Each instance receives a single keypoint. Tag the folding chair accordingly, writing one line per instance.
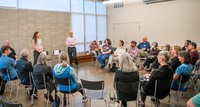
(5, 72)
(36, 77)
(6, 104)
(64, 82)
(127, 89)
(27, 90)
(182, 79)
(94, 90)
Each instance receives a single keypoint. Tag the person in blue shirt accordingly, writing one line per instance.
(144, 47)
(184, 69)
(9, 63)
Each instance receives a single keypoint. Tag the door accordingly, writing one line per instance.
(126, 32)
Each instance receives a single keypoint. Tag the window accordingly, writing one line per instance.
(101, 27)
(80, 47)
(52, 5)
(78, 27)
(101, 8)
(90, 28)
(8, 3)
(77, 6)
(89, 7)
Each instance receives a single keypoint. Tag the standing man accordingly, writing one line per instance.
(144, 47)
(12, 53)
(71, 44)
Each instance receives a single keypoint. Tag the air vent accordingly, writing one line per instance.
(118, 5)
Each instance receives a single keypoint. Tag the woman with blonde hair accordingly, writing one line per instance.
(127, 73)
(63, 70)
(175, 63)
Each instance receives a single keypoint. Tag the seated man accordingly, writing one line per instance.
(186, 44)
(119, 51)
(184, 69)
(133, 50)
(23, 68)
(144, 47)
(163, 74)
(193, 52)
(12, 53)
(9, 63)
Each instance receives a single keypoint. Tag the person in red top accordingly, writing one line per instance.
(193, 52)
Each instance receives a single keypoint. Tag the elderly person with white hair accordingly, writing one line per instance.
(162, 75)
(41, 68)
(23, 67)
(12, 53)
(127, 73)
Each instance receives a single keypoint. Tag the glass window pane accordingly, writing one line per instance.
(52, 5)
(101, 27)
(90, 7)
(90, 27)
(80, 47)
(101, 8)
(87, 46)
(78, 27)
(8, 3)
(77, 6)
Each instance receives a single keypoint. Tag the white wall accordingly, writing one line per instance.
(166, 22)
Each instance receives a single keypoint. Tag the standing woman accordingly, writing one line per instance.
(37, 45)
(71, 44)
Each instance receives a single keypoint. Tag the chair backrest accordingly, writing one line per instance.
(62, 81)
(38, 80)
(92, 85)
(184, 78)
(4, 71)
(127, 88)
(5, 104)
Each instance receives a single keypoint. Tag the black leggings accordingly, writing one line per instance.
(36, 55)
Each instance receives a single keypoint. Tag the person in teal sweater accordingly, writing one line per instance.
(194, 101)
(63, 70)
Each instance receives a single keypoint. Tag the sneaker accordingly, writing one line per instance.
(155, 100)
(102, 66)
(84, 99)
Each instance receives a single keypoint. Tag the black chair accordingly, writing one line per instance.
(5, 104)
(5, 71)
(64, 82)
(127, 89)
(95, 90)
(42, 84)
(27, 85)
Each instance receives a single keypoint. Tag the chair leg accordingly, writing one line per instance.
(11, 90)
(32, 96)
(105, 102)
(17, 93)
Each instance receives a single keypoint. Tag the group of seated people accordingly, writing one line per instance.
(22, 68)
(170, 63)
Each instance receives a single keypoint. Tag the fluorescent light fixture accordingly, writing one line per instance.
(112, 1)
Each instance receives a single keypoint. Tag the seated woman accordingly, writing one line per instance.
(41, 68)
(194, 101)
(105, 53)
(153, 55)
(175, 63)
(23, 67)
(94, 48)
(162, 74)
(184, 69)
(63, 70)
(127, 73)
(119, 51)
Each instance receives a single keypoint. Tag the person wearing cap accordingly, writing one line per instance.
(71, 44)
(186, 44)
(193, 52)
